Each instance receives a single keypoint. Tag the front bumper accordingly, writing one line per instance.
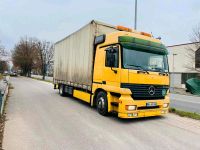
(142, 110)
(144, 113)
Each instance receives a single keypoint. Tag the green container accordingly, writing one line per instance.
(193, 86)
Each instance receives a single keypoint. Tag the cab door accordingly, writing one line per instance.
(112, 63)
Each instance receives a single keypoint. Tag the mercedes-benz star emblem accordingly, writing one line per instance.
(152, 90)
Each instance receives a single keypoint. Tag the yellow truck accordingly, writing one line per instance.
(114, 69)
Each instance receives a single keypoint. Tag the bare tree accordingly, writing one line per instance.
(45, 52)
(1, 46)
(2, 50)
(196, 36)
(3, 63)
(24, 55)
(32, 54)
(3, 66)
(193, 52)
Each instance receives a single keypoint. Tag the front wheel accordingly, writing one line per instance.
(102, 103)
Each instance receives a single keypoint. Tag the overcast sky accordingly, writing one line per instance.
(52, 20)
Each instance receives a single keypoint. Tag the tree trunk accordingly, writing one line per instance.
(43, 71)
(43, 77)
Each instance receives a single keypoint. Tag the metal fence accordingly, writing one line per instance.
(3, 93)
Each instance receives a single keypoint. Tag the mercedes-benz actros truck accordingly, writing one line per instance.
(114, 69)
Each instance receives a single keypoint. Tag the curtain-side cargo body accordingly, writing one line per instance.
(73, 58)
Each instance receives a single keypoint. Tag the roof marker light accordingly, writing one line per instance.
(122, 28)
(146, 34)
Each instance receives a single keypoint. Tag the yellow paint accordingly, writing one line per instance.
(151, 78)
(82, 95)
(127, 100)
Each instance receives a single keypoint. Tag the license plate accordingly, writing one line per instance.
(151, 104)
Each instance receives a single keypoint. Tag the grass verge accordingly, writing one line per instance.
(185, 114)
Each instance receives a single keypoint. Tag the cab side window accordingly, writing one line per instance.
(110, 55)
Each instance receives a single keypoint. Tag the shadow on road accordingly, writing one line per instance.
(135, 120)
(113, 116)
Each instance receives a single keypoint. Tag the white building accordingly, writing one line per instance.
(183, 63)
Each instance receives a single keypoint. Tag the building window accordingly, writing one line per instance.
(197, 58)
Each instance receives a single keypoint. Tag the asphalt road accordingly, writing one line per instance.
(186, 103)
(39, 119)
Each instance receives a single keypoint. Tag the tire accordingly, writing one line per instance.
(102, 103)
(61, 90)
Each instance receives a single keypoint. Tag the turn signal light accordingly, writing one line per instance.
(165, 105)
(122, 28)
(146, 34)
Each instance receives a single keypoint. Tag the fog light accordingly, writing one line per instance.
(165, 105)
(131, 107)
(163, 112)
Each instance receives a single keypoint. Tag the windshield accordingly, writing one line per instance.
(140, 60)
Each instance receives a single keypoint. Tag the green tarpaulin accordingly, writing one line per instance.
(193, 86)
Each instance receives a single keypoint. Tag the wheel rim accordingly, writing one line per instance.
(101, 103)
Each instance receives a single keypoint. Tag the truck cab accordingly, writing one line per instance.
(130, 75)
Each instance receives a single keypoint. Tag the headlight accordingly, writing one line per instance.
(131, 107)
(165, 105)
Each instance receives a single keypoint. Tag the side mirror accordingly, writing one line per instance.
(111, 57)
(112, 60)
(112, 50)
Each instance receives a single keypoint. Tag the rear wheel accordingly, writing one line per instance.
(102, 103)
(62, 90)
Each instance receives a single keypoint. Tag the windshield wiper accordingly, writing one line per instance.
(140, 68)
(161, 71)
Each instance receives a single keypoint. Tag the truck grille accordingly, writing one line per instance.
(146, 91)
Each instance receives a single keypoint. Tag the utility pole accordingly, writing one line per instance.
(173, 74)
(135, 15)
(174, 62)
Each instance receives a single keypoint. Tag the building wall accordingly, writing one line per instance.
(175, 80)
(181, 60)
